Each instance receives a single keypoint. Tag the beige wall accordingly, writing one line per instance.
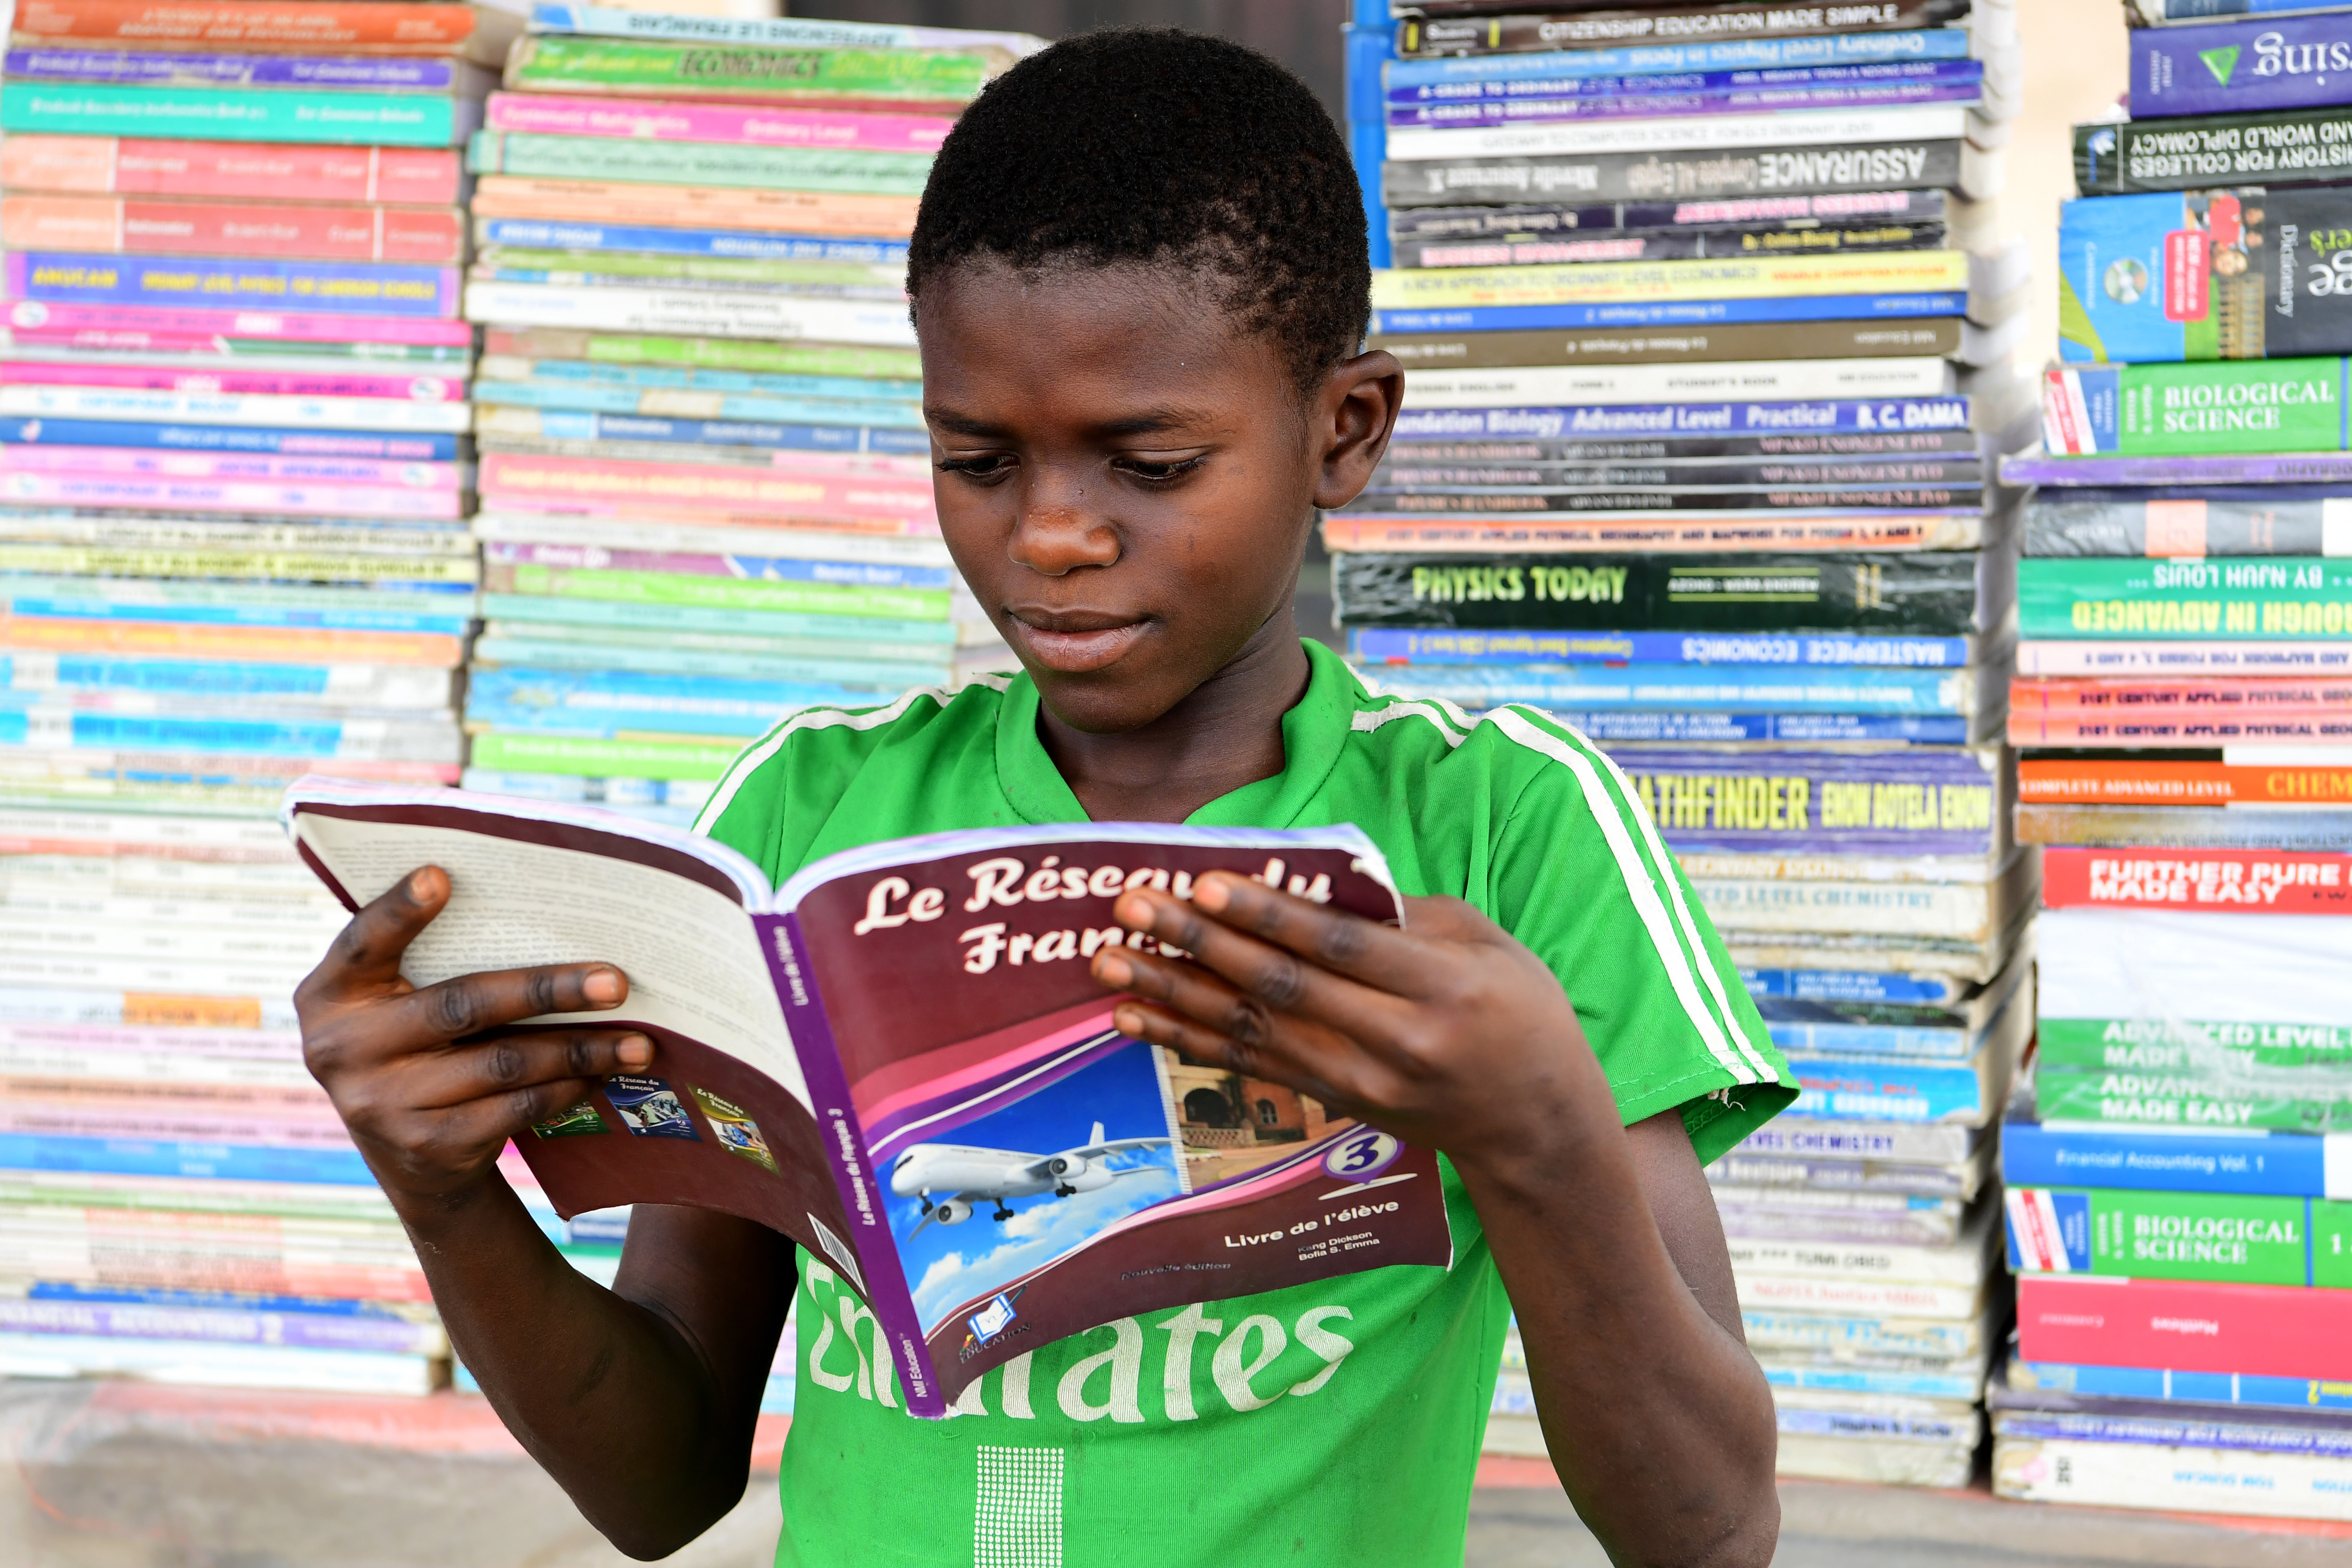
(2074, 69)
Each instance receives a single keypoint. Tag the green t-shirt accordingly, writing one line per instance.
(1331, 1422)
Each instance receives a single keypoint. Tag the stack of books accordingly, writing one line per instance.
(2178, 1176)
(233, 550)
(1707, 344)
(706, 488)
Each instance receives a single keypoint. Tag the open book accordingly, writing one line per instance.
(900, 1059)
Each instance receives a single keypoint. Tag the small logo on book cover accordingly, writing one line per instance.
(996, 1317)
(2220, 62)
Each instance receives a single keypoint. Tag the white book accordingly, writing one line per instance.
(217, 1365)
(235, 409)
(733, 539)
(2192, 1480)
(1780, 381)
(1675, 134)
(718, 313)
(1805, 1291)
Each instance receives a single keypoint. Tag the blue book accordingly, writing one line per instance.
(1636, 420)
(539, 234)
(1686, 313)
(1683, 687)
(1844, 1088)
(209, 282)
(591, 373)
(2185, 1387)
(2252, 1164)
(1806, 729)
(44, 1309)
(286, 737)
(1649, 60)
(1397, 645)
(1962, 1385)
(428, 617)
(562, 424)
(140, 67)
(155, 1157)
(1684, 92)
(1837, 1038)
(205, 676)
(625, 400)
(2240, 67)
(1854, 986)
(227, 438)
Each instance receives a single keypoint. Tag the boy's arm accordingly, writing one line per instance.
(641, 1400)
(1453, 1036)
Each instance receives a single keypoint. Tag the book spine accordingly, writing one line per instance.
(328, 413)
(2292, 146)
(731, 244)
(222, 1325)
(1924, 1144)
(1743, 278)
(603, 484)
(655, 401)
(361, 288)
(1792, 729)
(1711, 92)
(1801, 128)
(2146, 660)
(131, 436)
(1696, 313)
(351, 73)
(1675, 688)
(1845, 1088)
(922, 80)
(59, 458)
(1761, 215)
(2084, 1470)
(2155, 732)
(264, 28)
(1961, 1388)
(2157, 410)
(237, 382)
(2281, 883)
(1960, 911)
(427, 237)
(2186, 1044)
(2188, 1100)
(2289, 521)
(2291, 598)
(1408, 473)
(1432, 32)
(108, 323)
(820, 213)
(1668, 420)
(705, 353)
(789, 168)
(2264, 1330)
(1934, 594)
(2139, 1234)
(60, 637)
(596, 758)
(1386, 646)
(1769, 170)
(1936, 1042)
(1776, 380)
(232, 114)
(170, 1157)
(2120, 472)
(709, 314)
(560, 424)
(358, 684)
(846, 572)
(1764, 340)
(819, 129)
(881, 1280)
(1742, 54)
(2179, 699)
(2192, 1388)
(131, 166)
(717, 592)
(2241, 67)
(1875, 1336)
(69, 490)
(1686, 528)
(1761, 1292)
(1679, 451)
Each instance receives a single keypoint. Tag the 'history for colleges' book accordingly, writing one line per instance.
(900, 1059)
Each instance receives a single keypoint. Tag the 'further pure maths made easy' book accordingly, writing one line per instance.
(900, 1059)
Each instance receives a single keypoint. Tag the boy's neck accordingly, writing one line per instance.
(1227, 733)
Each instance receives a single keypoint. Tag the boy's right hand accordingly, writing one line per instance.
(428, 1086)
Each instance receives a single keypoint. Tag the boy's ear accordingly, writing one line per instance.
(1355, 416)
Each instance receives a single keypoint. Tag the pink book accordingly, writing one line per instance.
(831, 129)
(140, 462)
(603, 487)
(144, 226)
(237, 382)
(138, 166)
(370, 501)
(112, 322)
(2267, 1330)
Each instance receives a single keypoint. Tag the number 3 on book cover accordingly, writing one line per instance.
(900, 1059)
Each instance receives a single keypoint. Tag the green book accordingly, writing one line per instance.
(2202, 1102)
(2273, 597)
(852, 280)
(709, 354)
(2202, 409)
(936, 80)
(696, 164)
(539, 609)
(2176, 1047)
(2226, 1238)
(232, 114)
(720, 593)
(582, 757)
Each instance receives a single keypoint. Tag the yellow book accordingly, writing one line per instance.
(1635, 282)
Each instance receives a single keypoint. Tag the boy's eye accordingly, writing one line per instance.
(1150, 470)
(987, 466)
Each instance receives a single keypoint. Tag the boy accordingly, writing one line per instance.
(1140, 281)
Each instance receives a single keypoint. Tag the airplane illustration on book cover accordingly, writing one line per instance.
(970, 1176)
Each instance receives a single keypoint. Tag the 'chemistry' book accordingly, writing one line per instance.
(900, 1059)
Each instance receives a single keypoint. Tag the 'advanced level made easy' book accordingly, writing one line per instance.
(900, 1059)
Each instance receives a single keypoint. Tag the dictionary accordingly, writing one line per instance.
(770, 1026)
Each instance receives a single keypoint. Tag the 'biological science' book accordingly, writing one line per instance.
(900, 1059)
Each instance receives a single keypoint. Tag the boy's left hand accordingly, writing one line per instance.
(1448, 1033)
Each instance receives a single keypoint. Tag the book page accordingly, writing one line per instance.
(690, 952)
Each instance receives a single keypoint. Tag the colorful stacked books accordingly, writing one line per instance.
(1706, 349)
(705, 482)
(232, 493)
(2177, 1177)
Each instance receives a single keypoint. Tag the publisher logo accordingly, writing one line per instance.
(2220, 62)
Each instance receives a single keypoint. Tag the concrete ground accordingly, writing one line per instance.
(118, 1476)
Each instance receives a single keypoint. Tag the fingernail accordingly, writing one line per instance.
(636, 1051)
(419, 881)
(1113, 969)
(603, 987)
(1133, 908)
(1211, 894)
(1127, 1021)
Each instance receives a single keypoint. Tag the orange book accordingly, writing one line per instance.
(272, 27)
(2070, 781)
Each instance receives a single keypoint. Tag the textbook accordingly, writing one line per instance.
(2219, 409)
(138, 166)
(1427, 28)
(272, 27)
(1827, 166)
(795, 1064)
(2233, 68)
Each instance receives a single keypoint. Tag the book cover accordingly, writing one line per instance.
(1775, 276)
(800, 1083)
(353, 287)
(1491, 72)
(2196, 1326)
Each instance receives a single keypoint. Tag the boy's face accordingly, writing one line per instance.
(1127, 479)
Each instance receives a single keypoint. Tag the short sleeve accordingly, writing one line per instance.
(1581, 875)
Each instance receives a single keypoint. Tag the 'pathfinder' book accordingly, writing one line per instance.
(900, 1059)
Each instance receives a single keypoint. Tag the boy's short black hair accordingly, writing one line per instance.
(1151, 145)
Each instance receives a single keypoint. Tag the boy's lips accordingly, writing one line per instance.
(1079, 644)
